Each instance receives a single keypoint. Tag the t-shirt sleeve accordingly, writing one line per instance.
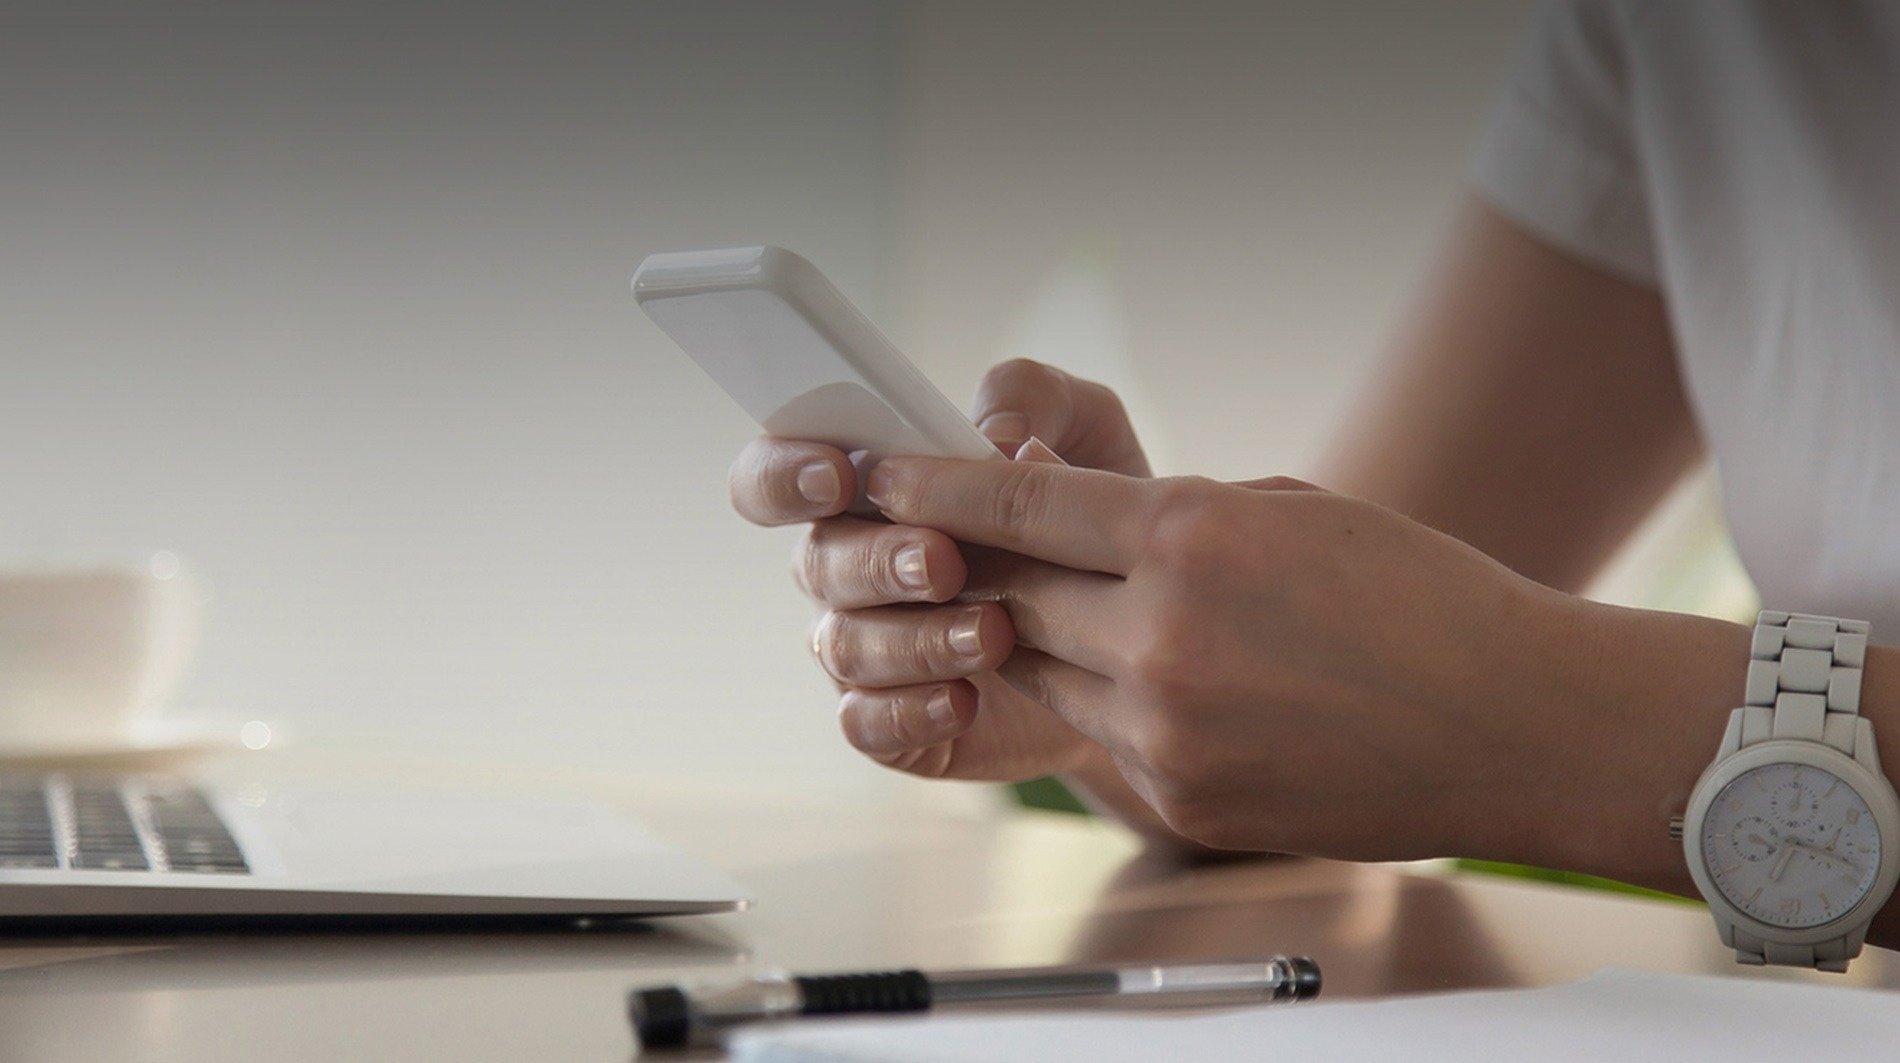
(1558, 153)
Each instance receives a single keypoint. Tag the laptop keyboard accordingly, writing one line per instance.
(101, 823)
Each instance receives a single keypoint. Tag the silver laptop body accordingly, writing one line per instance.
(78, 846)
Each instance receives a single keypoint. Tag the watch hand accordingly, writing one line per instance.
(1837, 837)
(1822, 853)
(1787, 854)
(1835, 858)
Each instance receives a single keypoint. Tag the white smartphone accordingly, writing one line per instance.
(773, 331)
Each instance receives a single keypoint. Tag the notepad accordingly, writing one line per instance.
(1614, 1015)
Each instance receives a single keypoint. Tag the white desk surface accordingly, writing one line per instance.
(838, 888)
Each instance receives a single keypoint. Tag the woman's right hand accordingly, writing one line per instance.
(908, 634)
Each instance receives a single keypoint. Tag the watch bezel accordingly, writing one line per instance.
(1873, 788)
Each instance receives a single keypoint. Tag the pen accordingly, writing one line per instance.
(676, 1016)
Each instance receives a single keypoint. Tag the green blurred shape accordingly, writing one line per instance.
(1568, 878)
(1049, 794)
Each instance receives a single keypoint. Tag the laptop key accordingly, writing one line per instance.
(104, 824)
(27, 861)
(214, 869)
(112, 861)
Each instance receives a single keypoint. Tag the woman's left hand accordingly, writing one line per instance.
(1272, 666)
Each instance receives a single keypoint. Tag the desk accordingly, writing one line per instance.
(837, 887)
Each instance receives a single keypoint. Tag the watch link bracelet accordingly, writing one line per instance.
(1793, 833)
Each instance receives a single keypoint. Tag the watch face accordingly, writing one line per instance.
(1791, 845)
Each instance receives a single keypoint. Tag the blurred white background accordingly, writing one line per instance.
(331, 300)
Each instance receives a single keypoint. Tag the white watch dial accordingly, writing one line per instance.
(1791, 845)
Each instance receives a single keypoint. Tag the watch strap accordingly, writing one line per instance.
(1831, 955)
(1804, 680)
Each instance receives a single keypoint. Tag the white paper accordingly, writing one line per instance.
(1614, 1015)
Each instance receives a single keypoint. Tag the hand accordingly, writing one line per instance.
(913, 666)
(1272, 666)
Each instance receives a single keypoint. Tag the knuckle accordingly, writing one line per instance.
(1167, 663)
(779, 491)
(1192, 526)
(900, 723)
(927, 653)
(1031, 683)
(1022, 374)
(1108, 405)
(877, 567)
(1021, 501)
(886, 728)
(765, 491)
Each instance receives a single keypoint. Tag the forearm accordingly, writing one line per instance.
(1531, 407)
(1634, 704)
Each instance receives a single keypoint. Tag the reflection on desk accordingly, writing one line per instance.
(838, 888)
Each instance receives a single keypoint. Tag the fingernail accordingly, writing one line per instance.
(966, 635)
(939, 709)
(818, 482)
(913, 568)
(1035, 450)
(1006, 430)
(878, 486)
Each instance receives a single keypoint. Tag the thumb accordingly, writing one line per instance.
(1035, 450)
(1079, 419)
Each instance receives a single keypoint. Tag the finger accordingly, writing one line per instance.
(901, 645)
(1079, 419)
(1081, 518)
(849, 563)
(999, 734)
(782, 481)
(1060, 611)
(890, 724)
(1085, 699)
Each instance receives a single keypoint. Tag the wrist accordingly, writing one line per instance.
(1631, 706)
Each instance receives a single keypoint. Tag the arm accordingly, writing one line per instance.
(1273, 666)
(1461, 432)
(1532, 408)
(1535, 410)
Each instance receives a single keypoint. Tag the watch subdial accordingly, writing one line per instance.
(1754, 839)
(1794, 804)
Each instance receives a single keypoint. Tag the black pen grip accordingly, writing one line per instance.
(833, 994)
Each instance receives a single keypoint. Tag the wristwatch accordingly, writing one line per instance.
(1793, 834)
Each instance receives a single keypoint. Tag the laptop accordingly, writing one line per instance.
(136, 846)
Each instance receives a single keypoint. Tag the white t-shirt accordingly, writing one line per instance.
(1744, 159)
